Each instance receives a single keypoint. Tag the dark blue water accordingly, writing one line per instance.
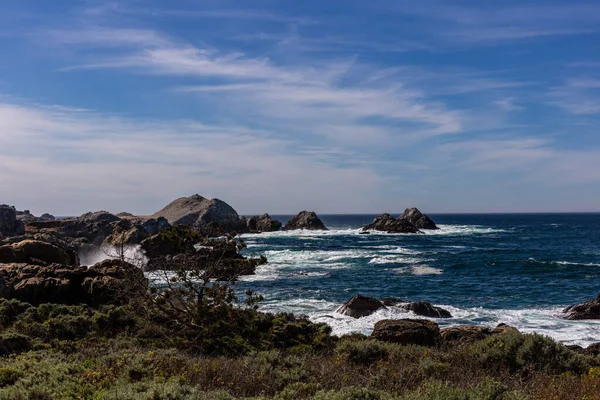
(515, 268)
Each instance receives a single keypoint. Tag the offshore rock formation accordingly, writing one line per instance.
(263, 223)
(108, 282)
(305, 220)
(212, 217)
(389, 224)
(360, 306)
(9, 224)
(410, 222)
(588, 310)
(426, 309)
(418, 219)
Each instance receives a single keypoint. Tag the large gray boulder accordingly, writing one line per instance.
(207, 216)
(389, 224)
(305, 220)
(9, 224)
(426, 309)
(418, 219)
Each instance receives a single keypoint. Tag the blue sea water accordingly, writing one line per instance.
(519, 269)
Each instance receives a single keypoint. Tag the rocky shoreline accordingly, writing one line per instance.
(39, 258)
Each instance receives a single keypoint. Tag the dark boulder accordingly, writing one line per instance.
(588, 310)
(305, 220)
(37, 252)
(426, 309)
(360, 306)
(593, 349)
(467, 334)
(407, 331)
(9, 224)
(418, 219)
(152, 226)
(389, 224)
(109, 282)
(211, 217)
(263, 223)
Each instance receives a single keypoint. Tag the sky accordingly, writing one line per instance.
(280, 106)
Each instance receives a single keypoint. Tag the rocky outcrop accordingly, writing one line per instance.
(407, 331)
(27, 217)
(212, 217)
(94, 227)
(426, 309)
(9, 224)
(467, 334)
(37, 252)
(418, 219)
(389, 224)
(108, 282)
(305, 220)
(588, 310)
(170, 242)
(263, 223)
(360, 306)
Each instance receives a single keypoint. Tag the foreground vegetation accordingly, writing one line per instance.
(193, 339)
(76, 352)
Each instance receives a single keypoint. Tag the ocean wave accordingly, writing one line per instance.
(543, 321)
(576, 263)
(385, 259)
(418, 270)
(462, 230)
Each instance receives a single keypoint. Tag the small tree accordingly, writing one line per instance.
(199, 286)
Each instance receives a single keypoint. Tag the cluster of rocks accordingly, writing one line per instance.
(411, 221)
(9, 224)
(361, 306)
(427, 333)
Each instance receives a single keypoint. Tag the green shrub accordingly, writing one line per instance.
(8, 376)
(14, 343)
(363, 352)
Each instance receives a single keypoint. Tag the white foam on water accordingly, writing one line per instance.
(461, 230)
(130, 253)
(544, 321)
(418, 270)
(398, 260)
(575, 263)
(403, 250)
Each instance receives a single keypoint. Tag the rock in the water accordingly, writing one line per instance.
(213, 217)
(467, 334)
(263, 223)
(360, 306)
(305, 220)
(588, 310)
(37, 252)
(426, 309)
(109, 282)
(407, 331)
(9, 224)
(418, 219)
(389, 224)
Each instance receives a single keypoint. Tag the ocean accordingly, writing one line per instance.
(518, 269)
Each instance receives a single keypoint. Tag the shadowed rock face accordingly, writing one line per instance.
(263, 223)
(407, 331)
(360, 306)
(426, 309)
(389, 224)
(305, 220)
(9, 224)
(588, 310)
(37, 252)
(203, 215)
(418, 219)
(467, 334)
(108, 282)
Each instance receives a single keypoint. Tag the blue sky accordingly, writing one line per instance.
(279, 106)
